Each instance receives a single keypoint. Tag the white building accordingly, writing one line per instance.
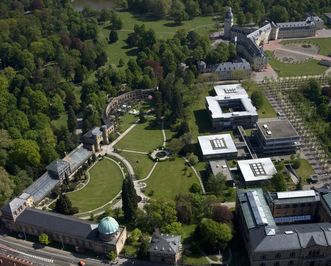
(231, 107)
(234, 70)
(257, 170)
(217, 146)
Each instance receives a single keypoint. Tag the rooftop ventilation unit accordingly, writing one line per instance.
(289, 232)
(269, 132)
(265, 126)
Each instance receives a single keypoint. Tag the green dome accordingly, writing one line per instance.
(108, 226)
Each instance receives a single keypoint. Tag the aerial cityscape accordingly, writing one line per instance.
(165, 132)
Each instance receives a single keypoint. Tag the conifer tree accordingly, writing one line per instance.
(129, 199)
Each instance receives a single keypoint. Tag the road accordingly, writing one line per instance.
(48, 256)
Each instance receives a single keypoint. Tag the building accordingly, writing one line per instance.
(249, 40)
(59, 169)
(256, 170)
(11, 260)
(94, 138)
(83, 235)
(231, 107)
(270, 241)
(234, 70)
(217, 146)
(276, 137)
(218, 167)
(165, 249)
(293, 206)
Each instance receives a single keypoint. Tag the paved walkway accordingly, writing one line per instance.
(132, 151)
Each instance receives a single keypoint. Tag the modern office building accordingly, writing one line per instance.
(270, 241)
(256, 170)
(276, 136)
(165, 248)
(231, 107)
(250, 40)
(217, 146)
(220, 167)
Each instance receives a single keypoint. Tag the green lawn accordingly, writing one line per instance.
(305, 170)
(141, 163)
(126, 121)
(311, 67)
(164, 29)
(60, 122)
(105, 183)
(322, 43)
(144, 137)
(170, 179)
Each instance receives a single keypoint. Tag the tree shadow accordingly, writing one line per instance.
(172, 24)
(132, 52)
(146, 18)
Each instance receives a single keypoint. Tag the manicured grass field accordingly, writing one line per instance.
(60, 122)
(126, 121)
(311, 67)
(141, 163)
(144, 137)
(322, 43)
(170, 179)
(105, 183)
(305, 170)
(164, 29)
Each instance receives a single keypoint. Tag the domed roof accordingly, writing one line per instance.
(229, 14)
(108, 226)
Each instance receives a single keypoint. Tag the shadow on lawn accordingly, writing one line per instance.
(202, 121)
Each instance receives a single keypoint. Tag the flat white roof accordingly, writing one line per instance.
(230, 90)
(257, 169)
(216, 109)
(217, 144)
(296, 194)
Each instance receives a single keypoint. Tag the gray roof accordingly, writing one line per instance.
(77, 157)
(42, 186)
(278, 128)
(220, 167)
(163, 243)
(55, 222)
(233, 66)
(96, 131)
(291, 237)
(294, 197)
(15, 203)
(327, 200)
(249, 210)
(57, 166)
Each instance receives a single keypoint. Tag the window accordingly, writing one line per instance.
(276, 263)
(262, 264)
(278, 255)
(291, 262)
(292, 254)
(263, 257)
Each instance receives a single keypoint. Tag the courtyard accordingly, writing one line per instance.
(105, 182)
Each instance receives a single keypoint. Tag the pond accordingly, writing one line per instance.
(95, 4)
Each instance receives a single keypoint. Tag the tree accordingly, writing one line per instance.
(111, 255)
(193, 159)
(43, 239)
(278, 14)
(240, 18)
(177, 12)
(129, 200)
(212, 235)
(72, 120)
(278, 182)
(113, 37)
(63, 205)
(195, 188)
(143, 248)
(216, 184)
(6, 186)
(116, 22)
(222, 214)
(25, 153)
(135, 235)
(257, 98)
(175, 228)
(296, 163)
